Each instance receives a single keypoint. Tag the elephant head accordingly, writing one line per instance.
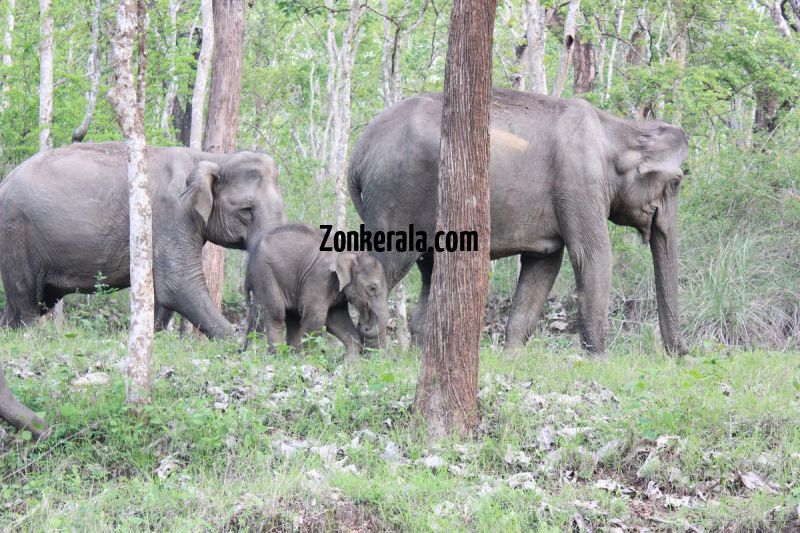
(236, 196)
(363, 281)
(649, 174)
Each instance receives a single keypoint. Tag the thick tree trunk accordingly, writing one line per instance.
(570, 29)
(583, 65)
(201, 76)
(536, 22)
(222, 121)
(93, 72)
(45, 76)
(447, 393)
(131, 18)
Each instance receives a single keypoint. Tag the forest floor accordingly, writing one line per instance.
(628, 442)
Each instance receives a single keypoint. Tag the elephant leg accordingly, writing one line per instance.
(24, 293)
(419, 318)
(162, 316)
(341, 326)
(293, 330)
(16, 414)
(311, 320)
(181, 286)
(536, 278)
(273, 326)
(590, 255)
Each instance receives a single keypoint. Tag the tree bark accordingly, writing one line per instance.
(447, 392)
(583, 65)
(131, 18)
(618, 30)
(171, 49)
(45, 76)
(570, 29)
(341, 59)
(536, 22)
(776, 12)
(93, 72)
(390, 87)
(222, 121)
(201, 76)
(8, 36)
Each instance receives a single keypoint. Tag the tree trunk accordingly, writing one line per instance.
(447, 393)
(131, 17)
(222, 121)
(536, 22)
(390, 87)
(682, 49)
(341, 59)
(617, 32)
(570, 28)
(45, 76)
(201, 76)
(776, 12)
(583, 65)
(171, 49)
(213, 256)
(8, 36)
(93, 72)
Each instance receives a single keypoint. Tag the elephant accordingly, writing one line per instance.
(290, 281)
(17, 414)
(559, 168)
(64, 225)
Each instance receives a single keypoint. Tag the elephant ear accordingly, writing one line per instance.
(199, 188)
(343, 266)
(663, 150)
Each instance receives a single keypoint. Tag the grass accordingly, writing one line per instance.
(256, 442)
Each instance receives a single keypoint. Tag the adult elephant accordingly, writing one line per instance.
(64, 225)
(559, 169)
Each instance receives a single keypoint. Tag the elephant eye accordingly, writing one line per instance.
(372, 289)
(246, 212)
(673, 186)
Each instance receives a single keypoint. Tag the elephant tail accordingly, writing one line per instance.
(354, 174)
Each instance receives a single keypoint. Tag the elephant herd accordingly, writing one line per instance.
(559, 169)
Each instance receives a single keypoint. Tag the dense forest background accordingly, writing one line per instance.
(316, 72)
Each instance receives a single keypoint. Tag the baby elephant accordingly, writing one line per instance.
(290, 281)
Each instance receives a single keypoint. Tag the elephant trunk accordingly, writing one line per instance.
(17, 414)
(664, 247)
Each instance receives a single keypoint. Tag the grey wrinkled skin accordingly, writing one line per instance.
(559, 170)
(64, 222)
(291, 283)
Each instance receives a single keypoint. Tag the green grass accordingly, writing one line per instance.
(304, 443)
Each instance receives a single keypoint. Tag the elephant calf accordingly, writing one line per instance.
(291, 282)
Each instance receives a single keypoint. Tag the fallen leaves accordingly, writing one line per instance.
(754, 481)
